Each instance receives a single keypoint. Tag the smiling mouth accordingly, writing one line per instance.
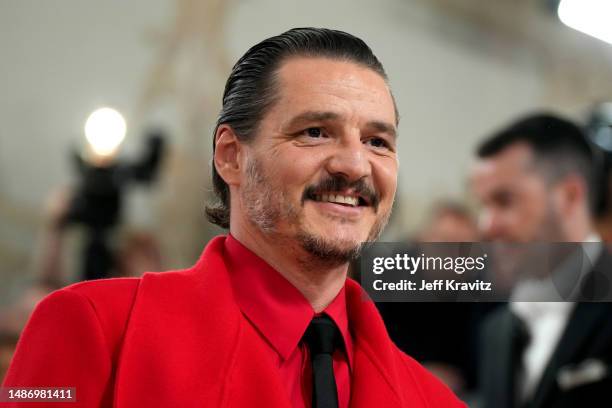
(341, 199)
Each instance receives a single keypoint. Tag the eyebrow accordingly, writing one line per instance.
(313, 116)
(383, 127)
(325, 116)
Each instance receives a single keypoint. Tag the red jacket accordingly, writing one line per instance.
(178, 339)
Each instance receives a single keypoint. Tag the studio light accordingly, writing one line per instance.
(105, 130)
(103, 178)
(592, 17)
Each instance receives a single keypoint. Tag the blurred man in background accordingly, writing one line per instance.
(423, 330)
(449, 221)
(534, 180)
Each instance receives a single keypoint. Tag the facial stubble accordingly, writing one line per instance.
(267, 206)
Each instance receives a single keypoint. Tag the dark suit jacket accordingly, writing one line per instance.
(584, 346)
(178, 339)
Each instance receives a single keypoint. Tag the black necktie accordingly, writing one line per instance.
(520, 340)
(322, 336)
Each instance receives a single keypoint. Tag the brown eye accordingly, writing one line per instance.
(378, 142)
(314, 132)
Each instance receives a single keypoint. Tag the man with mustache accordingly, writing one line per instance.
(305, 168)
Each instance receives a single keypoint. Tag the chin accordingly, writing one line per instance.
(341, 234)
(329, 250)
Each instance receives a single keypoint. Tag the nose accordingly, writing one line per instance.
(350, 159)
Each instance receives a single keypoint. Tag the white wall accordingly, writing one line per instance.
(59, 61)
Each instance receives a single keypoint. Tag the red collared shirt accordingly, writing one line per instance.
(280, 314)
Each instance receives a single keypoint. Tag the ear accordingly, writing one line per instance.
(574, 194)
(228, 151)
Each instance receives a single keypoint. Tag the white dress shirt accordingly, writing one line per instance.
(545, 321)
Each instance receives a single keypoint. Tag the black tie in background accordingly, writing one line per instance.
(520, 340)
(503, 343)
(322, 336)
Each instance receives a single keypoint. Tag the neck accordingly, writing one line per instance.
(578, 227)
(317, 280)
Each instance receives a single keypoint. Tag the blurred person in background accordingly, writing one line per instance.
(604, 217)
(535, 182)
(137, 251)
(449, 221)
(305, 167)
(440, 335)
(603, 221)
(599, 130)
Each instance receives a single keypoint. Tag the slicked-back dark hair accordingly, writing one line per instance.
(560, 146)
(251, 88)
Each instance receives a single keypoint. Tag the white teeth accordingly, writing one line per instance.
(353, 201)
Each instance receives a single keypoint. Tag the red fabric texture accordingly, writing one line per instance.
(280, 313)
(179, 339)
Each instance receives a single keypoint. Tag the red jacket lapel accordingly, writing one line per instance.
(187, 326)
(383, 376)
(374, 375)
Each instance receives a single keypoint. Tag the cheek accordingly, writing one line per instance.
(293, 171)
(385, 177)
(533, 210)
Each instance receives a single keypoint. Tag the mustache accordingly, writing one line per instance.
(338, 183)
